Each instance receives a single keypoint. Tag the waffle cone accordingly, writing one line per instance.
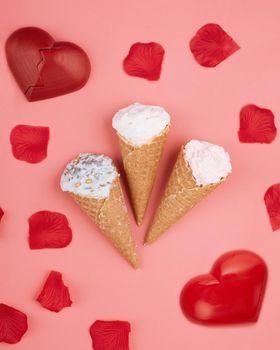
(181, 195)
(140, 165)
(110, 215)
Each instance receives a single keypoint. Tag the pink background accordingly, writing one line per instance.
(204, 103)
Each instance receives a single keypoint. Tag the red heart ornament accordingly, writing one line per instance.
(44, 68)
(231, 293)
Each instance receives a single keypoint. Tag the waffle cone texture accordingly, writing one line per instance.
(110, 215)
(181, 195)
(140, 165)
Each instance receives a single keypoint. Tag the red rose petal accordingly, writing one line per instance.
(49, 230)
(272, 202)
(55, 295)
(1, 214)
(13, 324)
(211, 45)
(256, 125)
(30, 143)
(144, 60)
(110, 335)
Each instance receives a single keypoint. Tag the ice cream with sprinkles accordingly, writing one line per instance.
(90, 175)
(93, 182)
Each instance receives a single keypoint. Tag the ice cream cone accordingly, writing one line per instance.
(140, 165)
(110, 215)
(182, 193)
(142, 131)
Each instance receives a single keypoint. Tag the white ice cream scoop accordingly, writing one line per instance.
(209, 163)
(139, 124)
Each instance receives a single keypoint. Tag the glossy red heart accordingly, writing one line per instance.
(44, 68)
(231, 293)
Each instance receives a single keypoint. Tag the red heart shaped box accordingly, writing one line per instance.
(231, 293)
(44, 68)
